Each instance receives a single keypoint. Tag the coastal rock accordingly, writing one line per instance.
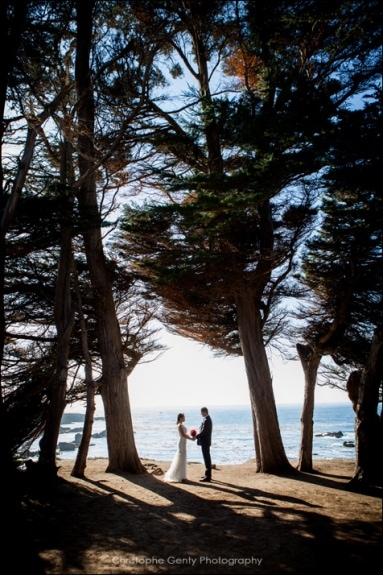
(76, 418)
(64, 446)
(72, 418)
(70, 430)
(348, 444)
(330, 434)
(98, 435)
(77, 439)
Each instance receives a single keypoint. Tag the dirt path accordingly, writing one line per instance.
(242, 522)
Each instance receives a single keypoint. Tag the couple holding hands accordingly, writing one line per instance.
(177, 471)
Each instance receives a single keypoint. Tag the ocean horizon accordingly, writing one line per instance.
(156, 435)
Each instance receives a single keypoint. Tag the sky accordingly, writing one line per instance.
(188, 374)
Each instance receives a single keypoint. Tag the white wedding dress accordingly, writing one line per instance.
(177, 470)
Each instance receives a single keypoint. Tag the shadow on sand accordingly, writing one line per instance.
(149, 526)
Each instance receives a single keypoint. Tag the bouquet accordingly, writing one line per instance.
(193, 432)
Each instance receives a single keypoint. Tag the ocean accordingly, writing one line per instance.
(156, 434)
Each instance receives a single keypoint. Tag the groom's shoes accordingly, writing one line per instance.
(206, 479)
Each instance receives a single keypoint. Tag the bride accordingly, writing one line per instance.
(177, 469)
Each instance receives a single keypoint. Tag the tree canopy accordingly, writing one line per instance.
(229, 122)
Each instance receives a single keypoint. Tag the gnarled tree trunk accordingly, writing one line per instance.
(310, 361)
(368, 424)
(271, 456)
(64, 320)
(119, 426)
(82, 454)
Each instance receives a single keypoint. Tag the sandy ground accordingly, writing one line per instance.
(241, 522)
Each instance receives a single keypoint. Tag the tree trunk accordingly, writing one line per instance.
(310, 361)
(352, 386)
(119, 427)
(368, 424)
(270, 451)
(64, 319)
(64, 316)
(256, 439)
(82, 454)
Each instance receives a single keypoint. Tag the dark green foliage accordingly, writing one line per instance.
(27, 394)
(343, 262)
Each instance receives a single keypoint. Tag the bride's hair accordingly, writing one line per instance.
(179, 416)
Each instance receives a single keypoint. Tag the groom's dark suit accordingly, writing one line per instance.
(204, 440)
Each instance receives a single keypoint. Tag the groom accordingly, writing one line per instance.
(204, 440)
